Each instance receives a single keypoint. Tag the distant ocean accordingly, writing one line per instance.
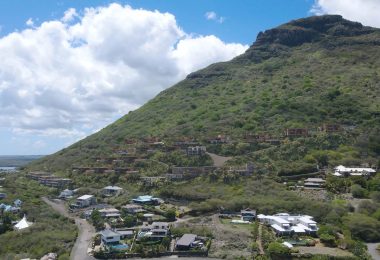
(8, 169)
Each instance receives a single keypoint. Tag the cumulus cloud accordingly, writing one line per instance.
(364, 11)
(69, 15)
(71, 76)
(214, 17)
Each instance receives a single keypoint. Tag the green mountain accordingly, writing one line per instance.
(302, 74)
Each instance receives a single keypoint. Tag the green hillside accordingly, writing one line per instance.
(302, 74)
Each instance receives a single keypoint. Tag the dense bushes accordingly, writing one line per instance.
(363, 227)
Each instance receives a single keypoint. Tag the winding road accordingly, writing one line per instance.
(85, 234)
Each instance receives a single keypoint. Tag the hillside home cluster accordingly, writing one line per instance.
(284, 224)
(342, 171)
(14, 208)
(47, 179)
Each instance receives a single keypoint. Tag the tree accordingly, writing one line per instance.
(375, 196)
(130, 221)
(97, 219)
(363, 227)
(7, 224)
(358, 192)
(328, 240)
(166, 242)
(278, 251)
(170, 215)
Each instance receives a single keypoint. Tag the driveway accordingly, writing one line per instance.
(85, 231)
(218, 160)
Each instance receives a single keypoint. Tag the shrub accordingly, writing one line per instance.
(328, 240)
(278, 251)
(357, 191)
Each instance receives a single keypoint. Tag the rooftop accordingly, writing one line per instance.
(85, 197)
(186, 240)
(112, 188)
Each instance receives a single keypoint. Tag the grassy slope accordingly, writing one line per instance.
(50, 231)
(272, 86)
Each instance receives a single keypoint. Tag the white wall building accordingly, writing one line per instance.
(353, 171)
(285, 224)
(85, 201)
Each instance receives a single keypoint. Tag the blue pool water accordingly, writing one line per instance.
(120, 247)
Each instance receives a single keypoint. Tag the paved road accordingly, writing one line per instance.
(373, 251)
(218, 160)
(85, 234)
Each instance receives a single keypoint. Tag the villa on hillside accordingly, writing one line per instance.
(110, 191)
(147, 200)
(110, 213)
(342, 171)
(284, 224)
(186, 242)
(196, 150)
(156, 231)
(296, 132)
(248, 215)
(85, 201)
(314, 183)
(66, 194)
(113, 236)
(133, 208)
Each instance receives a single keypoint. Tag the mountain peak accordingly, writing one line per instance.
(311, 29)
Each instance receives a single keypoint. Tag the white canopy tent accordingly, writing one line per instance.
(22, 224)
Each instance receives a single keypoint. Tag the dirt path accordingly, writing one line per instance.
(219, 160)
(261, 249)
(85, 234)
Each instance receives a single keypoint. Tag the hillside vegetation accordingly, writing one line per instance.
(301, 74)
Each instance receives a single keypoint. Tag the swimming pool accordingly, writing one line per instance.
(120, 247)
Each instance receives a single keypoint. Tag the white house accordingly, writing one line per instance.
(113, 237)
(353, 171)
(85, 201)
(111, 191)
(285, 224)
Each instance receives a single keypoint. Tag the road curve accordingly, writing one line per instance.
(85, 234)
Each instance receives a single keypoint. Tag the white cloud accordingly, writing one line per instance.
(68, 79)
(69, 15)
(214, 17)
(29, 22)
(364, 11)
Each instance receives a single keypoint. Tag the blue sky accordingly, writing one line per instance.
(67, 71)
(243, 18)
